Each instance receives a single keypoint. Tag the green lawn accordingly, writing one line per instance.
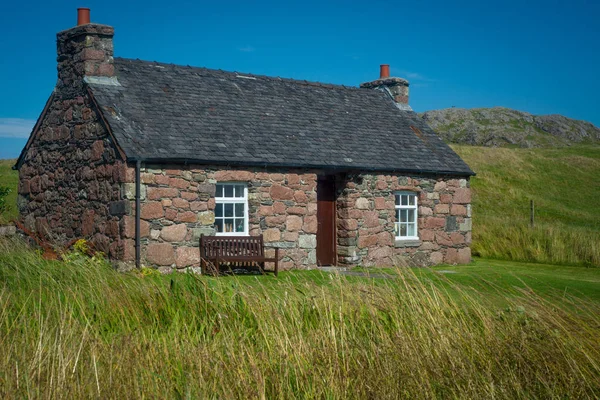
(496, 279)
(545, 279)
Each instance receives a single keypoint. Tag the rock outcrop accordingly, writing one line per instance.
(498, 126)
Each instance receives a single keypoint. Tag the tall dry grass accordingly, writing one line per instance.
(80, 330)
(502, 238)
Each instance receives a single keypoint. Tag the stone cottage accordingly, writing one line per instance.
(142, 158)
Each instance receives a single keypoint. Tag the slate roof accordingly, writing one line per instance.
(170, 113)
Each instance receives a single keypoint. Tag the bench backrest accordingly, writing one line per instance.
(223, 246)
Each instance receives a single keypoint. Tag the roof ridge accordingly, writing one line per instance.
(247, 74)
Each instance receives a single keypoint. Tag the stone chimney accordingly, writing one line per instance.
(84, 51)
(397, 88)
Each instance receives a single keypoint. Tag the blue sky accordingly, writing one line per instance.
(537, 56)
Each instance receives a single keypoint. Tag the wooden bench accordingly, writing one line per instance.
(235, 252)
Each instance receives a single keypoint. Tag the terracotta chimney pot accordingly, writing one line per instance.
(83, 16)
(384, 71)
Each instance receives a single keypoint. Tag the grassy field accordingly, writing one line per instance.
(564, 186)
(10, 179)
(81, 330)
(491, 329)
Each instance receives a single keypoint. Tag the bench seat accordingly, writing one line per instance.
(235, 252)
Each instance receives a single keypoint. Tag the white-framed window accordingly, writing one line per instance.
(406, 216)
(231, 209)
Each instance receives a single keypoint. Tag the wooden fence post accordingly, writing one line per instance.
(531, 213)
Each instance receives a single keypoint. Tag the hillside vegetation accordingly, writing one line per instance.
(504, 127)
(82, 330)
(564, 184)
(10, 179)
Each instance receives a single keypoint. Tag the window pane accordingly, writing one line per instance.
(239, 210)
(228, 210)
(219, 192)
(228, 190)
(403, 230)
(404, 200)
(396, 229)
(411, 199)
(219, 225)
(239, 190)
(239, 225)
(228, 225)
(397, 215)
(403, 216)
(397, 199)
(218, 210)
(411, 216)
(411, 230)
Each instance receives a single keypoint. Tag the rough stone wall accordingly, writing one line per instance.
(366, 216)
(178, 205)
(69, 180)
(85, 50)
(70, 177)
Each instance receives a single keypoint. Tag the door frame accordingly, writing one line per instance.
(330, 181)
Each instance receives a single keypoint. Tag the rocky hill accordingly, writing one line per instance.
(498, 126)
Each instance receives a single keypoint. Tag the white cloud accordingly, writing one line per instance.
(16, 127)
(246, 49)
(414, 75)
(411, 76)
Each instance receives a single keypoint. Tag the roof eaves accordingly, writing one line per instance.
(332, 166)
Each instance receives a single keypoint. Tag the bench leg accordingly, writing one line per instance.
(261, 267)
(209, 267)
(276, 261)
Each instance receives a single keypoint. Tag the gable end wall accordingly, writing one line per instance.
(70, 177)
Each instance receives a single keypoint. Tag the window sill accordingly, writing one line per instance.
(407, 243)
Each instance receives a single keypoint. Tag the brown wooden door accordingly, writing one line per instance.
(326, 237)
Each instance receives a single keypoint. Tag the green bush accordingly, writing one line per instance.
(81, 255)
